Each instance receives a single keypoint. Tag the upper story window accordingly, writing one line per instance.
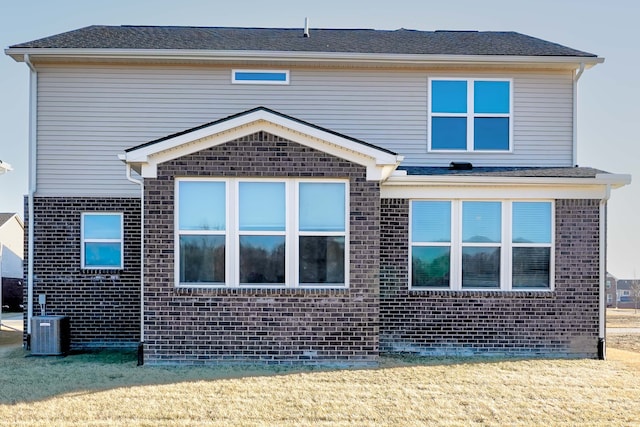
(262, 233)
(470, 114)
(474, 245)
(260, 77)
(102, 242)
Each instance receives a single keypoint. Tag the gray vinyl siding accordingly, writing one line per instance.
(89, 114)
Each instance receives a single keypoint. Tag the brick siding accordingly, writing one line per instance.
(562, 322)
(103, 305)
(275, 325)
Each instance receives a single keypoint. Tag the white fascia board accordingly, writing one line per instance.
(615, 180)
(380, 164)
(231, 55)
(484, 187)
(494, 192)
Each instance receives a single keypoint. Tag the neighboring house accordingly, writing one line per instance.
(611, 287)
(628, 294)
(5, 167)
(280, 195)
(11, 254)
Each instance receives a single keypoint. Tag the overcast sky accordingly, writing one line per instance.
(608, 107)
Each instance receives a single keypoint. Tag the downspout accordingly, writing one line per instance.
(576, 77)
(141, 343)
(602, 348)
(33, 121)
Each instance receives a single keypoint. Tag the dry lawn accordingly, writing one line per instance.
(623, 318)
(108, 389)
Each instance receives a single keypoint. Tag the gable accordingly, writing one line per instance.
(145, 158)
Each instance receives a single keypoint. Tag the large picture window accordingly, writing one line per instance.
(462, 245)
(470, 115)
(262, 232)
(102, 242)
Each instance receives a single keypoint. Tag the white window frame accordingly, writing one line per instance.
(506, 247)
(233, 233)
(470, 114)
(234, 79)
(83, 240)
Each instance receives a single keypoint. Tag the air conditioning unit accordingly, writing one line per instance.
(49, 335)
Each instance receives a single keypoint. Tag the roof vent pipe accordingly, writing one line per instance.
(306, 27)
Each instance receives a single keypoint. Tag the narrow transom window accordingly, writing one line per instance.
(102, 242)
(266, 77)
(470, 115)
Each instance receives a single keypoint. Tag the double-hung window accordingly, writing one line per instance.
(475, 245)
(261, 232)
(102, 240)
(470, 114)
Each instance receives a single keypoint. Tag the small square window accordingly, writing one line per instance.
(470, 115)
(102, 242)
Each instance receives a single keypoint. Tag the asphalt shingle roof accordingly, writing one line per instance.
(400, 41)
(4, 217)
(520, 172)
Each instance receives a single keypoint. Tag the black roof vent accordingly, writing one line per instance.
(460, 166)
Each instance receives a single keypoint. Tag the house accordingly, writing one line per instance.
(4, 167)
(627, 294)
(611, 286)
(313, 195)
(11, 253)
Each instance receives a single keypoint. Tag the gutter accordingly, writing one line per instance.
(33, 122)
(602, 346)
(614, 180)
(141, 343)
(298, 56)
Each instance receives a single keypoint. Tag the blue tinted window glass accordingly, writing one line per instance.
(102, 226)
(430, 266)
(322, 206)
(431, 221)
(261, 76)
(102, 254)
(262, 206)
(491, 97)
(448, 96)
(201, 205)
(448, 133)
(481, 222)
(531, 222)
(491, 133)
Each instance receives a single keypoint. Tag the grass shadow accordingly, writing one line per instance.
(28, 379)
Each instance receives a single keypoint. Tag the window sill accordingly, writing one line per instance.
(489, 293)
(252, 291)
